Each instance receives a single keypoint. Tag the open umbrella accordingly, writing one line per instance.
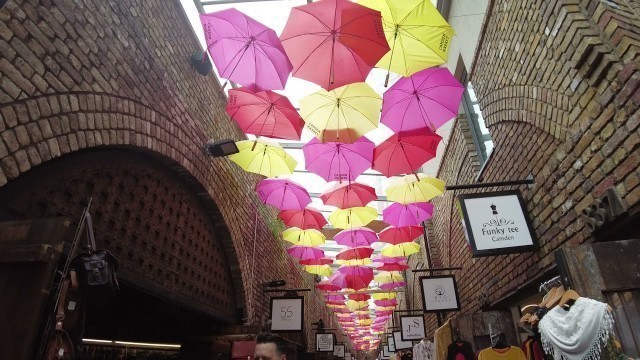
(353, 217)
(264, 113)
(323, 270)
(342, 115)
(396, 235)
(336, 299)
(304, 219)
(346, 195)
(388, 276)
(406, 152)
(386, 303)
(427, 99)
(354, 305)
(384, 295)
(361, 252)
(418, 35)
(399, 266)
(245, 51)
(305, 252)
(283, 194)
(388, 260)
(263, 157)
(408, 214)
(333, 42)
(414, 188)
(404, 249)
(360, 236)
(326, 285)
(393, 285)
(308, 237)
(352, 277)
(320, 261)
(354, 262)
(359, 297)
(338, 161)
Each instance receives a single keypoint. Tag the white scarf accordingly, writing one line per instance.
(579, 333)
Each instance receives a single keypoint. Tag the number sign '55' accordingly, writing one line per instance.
(287, 313)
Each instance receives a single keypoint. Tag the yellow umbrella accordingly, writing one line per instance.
(404, 249)
(353, 217)
(418, 35)
(307, 237)
(384, 296)
(324, 270)
(365, 322)
(354, 305)
(343, 114)
(385, 277)
(362, 312)
(336, 306)
(414, 188)
(354, 262)
(263, 157)
(385, 308)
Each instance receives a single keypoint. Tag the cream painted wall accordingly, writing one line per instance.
(465, 16)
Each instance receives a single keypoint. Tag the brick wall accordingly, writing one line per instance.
(80, 75)
(557, 83)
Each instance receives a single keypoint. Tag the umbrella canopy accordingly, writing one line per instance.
(414, 188)
(354, 305)
(388, 260)
(388, 276)
(342, 115)
(360, 236)
(361, 252)
(326, 285)
(393, 285)
(304, 219)
(263, 157)
(393, 266)
(264, 113)
(333, 42)
(346, 195)
(323, 270)
(354, 262)
(334, 299)
(418, 35)
(308, 237)
(338, 161)
(427, 99)
(404, 249)
(359, 297)
(352, 277)
(386, 303)
(406, 152)
(353, 217)
(407, 215)
(305, 252)
(385, 295)
(396, 235)
(283, 194)
(320, 261)
(245, 51)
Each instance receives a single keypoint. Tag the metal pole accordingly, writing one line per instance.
(438, 269)
(491, 184)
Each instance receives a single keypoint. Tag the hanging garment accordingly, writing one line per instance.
(460, 350)
(532, 348)
(442, 338)
(578, 333)
(424, 350)
(511, 353)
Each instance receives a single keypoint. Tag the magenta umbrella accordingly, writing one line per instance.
(264, 113)
(400, 215)
(348, 195)
(305, 252)
(352, 277)
(388, 259)
(387, 302)
(338, 161)
(283, 194)
(393, 285)
(428, 98)
(358, 236)
(245, 51)
(334, 299)
(405, 152)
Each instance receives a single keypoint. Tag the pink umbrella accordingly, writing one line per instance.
(428, 98)
(321, 261)
(359, 236)
(264, 113)
(352, 277)
(338, 161)
(407, 215)
(325, 285)
(346, 195)
(387, 302)
(357, 253)
(397, 235)
(405, 152)
(245, 51)
(334, 299)
(305, 252)
(393, 285)
(393, 267)
(303, 219)
(388, 259)
(283, 194)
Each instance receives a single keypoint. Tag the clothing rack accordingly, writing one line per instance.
(551, 283)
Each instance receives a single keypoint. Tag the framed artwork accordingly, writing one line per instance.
(287, 313)
(399, 343)
(325, 342)
(385, 352)
(412, 327)
(338, 350)
(392, 346)
(439, 293)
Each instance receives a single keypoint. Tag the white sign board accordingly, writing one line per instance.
(496, 223)
(287, 313)
(385, 351)
(412, 327)
(324, 342)
(439, 293)
(399, 343)
(338, 350)
(392, 346)
(347, 356)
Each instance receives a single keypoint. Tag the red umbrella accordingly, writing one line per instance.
(405, 152)
(352, 277)
(304, 219)
(264, 113)
(359, 297)
(361, 252)
(397, 235)
(320, 261)
(325, 285)
(305, 252)
(334, 42)
(393, 267)
(348, 195)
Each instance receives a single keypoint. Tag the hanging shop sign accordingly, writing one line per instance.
(399, 343)
(439, 293)
(496, 223)
(325, 342)
(338, 350)
(412, 327)
(392, 346)
(287, 313)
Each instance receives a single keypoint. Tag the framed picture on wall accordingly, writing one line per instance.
(392, 346)
(385, 351)
(399, 343)
(412, 327)
(287, 313)
(338, 350)
(439, 293)
(325, 342)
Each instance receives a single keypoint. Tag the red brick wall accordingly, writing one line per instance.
(79, 75)
(557, 83)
